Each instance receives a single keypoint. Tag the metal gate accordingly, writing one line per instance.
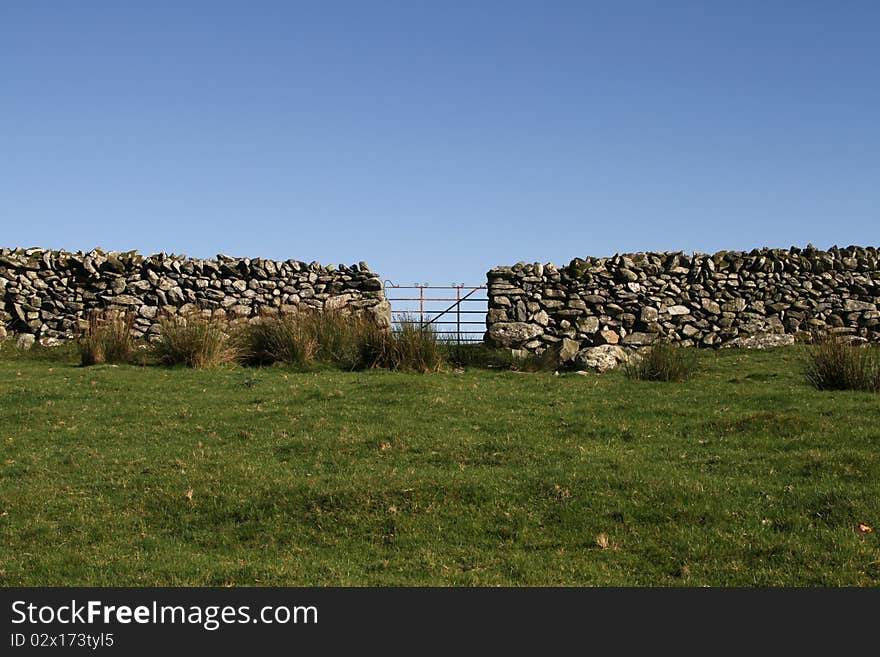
(456, 312)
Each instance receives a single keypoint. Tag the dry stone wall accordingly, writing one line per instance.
(726, 299)
(49, 294)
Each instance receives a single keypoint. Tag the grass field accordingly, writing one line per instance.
(239, 476)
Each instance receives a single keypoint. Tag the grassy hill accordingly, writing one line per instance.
(125, 475)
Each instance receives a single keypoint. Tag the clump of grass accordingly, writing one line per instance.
(834, 365)
(414, 346)
(307, 337)
(275, 339)
(346, 341)
(661, 362)
(106, 338)
(194, 340)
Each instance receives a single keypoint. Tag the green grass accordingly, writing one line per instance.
(661, 362)
(125, 475)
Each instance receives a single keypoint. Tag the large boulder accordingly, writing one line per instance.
(381, 314)
(512, 334)
(600, 359)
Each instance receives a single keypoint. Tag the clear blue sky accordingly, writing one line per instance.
(437, 139)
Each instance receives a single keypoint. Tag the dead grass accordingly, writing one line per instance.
(107, 338)
(194, 340)
(834, 365)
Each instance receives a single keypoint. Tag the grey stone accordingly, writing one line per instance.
(175, 296)
(599, 359)
(587, 324)
(568, 350)
(126, 300)
(513, 334)
(765, 325)
(607, 336)
(638, 339)
(735, 306)
(381, 314)
(541, 317)
(711, 306)
(760, 341)
(851, 305)
(166, 283)
(710, 339)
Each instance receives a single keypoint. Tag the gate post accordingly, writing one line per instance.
(458, 315)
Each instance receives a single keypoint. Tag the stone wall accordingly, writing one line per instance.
(49, 293)
(725, 299)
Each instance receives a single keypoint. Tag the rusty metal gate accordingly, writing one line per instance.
(456, 312)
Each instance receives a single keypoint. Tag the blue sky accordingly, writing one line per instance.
(437, 139)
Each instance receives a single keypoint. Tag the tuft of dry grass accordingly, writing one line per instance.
(344, 340)
(275, 339)
(414, 347)
(194, 340)
(348, 341)
(835, 365)
(661, 362)
(106, 338)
